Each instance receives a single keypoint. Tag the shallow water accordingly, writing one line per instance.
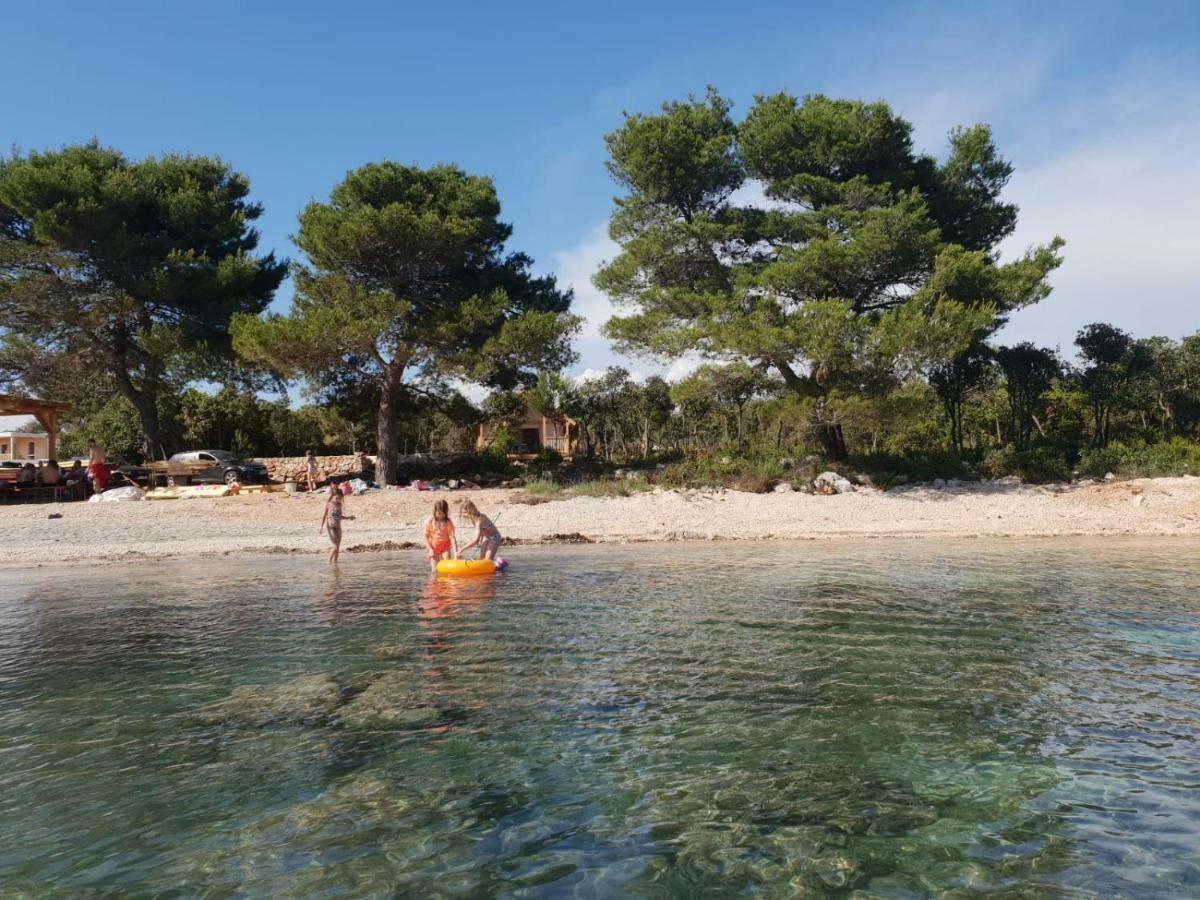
(901, 719)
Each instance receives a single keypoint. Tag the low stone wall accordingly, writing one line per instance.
(329, 468)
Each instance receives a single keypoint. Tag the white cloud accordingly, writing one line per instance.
(751, 194)
(635, 375)
(1113, 171)
(1124, 200)
(683, 367)
(12, 423)
(575, 268)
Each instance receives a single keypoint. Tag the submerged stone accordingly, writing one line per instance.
(392, 701)
(299, 700)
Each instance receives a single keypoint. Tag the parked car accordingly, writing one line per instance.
(223, 467)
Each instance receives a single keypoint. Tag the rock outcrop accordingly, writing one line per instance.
(832, 483)
(329, 468)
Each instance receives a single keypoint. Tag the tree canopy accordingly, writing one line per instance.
(868, 262)
(124, 274)
(407, 288)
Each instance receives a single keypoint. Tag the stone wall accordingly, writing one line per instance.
(329, 468)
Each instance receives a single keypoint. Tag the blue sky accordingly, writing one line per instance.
(1097, 104)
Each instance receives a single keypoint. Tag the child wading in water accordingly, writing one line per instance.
(439, 535)
(331, 520)
(487, 536)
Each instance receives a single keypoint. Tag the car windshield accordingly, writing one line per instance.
(222, 455)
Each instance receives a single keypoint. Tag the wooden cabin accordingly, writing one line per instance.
(534, 432)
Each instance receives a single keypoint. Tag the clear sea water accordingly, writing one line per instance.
(867, 719)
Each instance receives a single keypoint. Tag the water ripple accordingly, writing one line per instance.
(884, 717)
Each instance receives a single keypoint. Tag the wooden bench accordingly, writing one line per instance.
(45, 493)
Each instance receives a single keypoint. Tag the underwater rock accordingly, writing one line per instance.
(366, 798)
(833, 871)
(393, 701)
(299, 700)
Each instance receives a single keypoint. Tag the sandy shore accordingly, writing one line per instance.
(387, 520)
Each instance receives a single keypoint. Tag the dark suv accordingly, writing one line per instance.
(223, 467)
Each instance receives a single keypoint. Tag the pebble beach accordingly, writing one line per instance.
(98, 533)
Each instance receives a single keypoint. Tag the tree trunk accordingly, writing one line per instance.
(390, 394)
(152, 442)
(832, 440)
(146, 404)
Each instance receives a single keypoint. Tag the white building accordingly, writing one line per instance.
(23, 446)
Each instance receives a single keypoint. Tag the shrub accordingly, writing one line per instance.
(756, 474)
(1038, 465)
(544, 491)
(1138, 460)
(546, 463)
(890, 469)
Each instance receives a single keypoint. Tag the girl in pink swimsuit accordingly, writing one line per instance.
(331, 521)
(487, 536)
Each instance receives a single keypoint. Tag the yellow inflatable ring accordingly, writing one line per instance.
(466, 567)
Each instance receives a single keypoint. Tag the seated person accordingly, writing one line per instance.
(76, 472)
(49, 475)
(27, 476)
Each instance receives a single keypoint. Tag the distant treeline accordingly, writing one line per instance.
(852, 311)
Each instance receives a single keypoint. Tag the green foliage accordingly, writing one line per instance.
(617, 416)
(755, 474)
(887, 469)
(127, 272)
(1113, 363)
(1038, 465)
(504, 409)
(1029, 372)
(117, 427)
(408, 286)
(546, 463)
(955, 380)
(874, 264)
(494, 460)
(1140, 460)
(542, 490)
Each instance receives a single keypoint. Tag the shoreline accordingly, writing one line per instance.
(390, 521)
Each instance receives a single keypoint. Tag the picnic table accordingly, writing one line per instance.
(173, 473)
(44, 493)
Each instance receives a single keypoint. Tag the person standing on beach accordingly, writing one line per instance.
(98, 467)
(331, 520)
(310, 470)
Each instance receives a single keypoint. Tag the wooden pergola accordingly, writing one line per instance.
(45, 411)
